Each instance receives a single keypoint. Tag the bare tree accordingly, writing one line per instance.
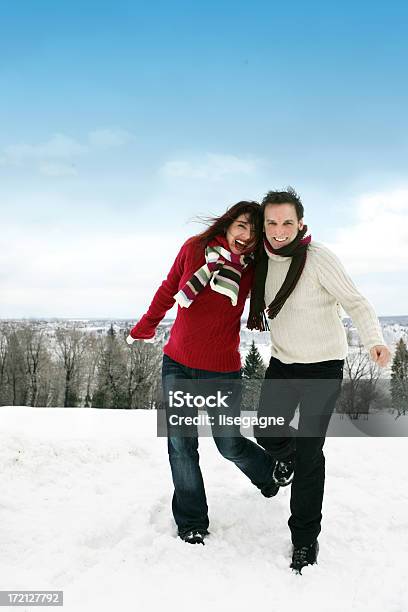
(111, 374)
(72, 367)
(50, 389)
(71, 346)
(359, 388)
(16, 380)
(93, 351)
(3, 366)
(35, 360)
(143, 383)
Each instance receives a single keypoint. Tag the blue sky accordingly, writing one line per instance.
(122, 121)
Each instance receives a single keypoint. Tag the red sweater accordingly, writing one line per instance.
(205, 335)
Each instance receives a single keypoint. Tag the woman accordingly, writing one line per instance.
(210, 280)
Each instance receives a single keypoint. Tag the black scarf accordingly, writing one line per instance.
(297, 250)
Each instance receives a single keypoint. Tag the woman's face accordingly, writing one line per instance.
(240, 235)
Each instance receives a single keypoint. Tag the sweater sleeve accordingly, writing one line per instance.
(334, 278)
(162, 301)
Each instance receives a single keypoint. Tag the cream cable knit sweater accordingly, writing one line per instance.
(309, 326)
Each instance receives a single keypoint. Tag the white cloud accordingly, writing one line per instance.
(56, 156)
(59, 146)
(210, 167)
(378, 241)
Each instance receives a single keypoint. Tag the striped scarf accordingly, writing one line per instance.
(222, 269)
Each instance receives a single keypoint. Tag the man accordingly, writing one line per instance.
(303, 284)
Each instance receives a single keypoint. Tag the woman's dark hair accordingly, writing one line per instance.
(284, 197)
(219, 225)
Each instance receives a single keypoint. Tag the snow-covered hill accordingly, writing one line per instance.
(85, 508)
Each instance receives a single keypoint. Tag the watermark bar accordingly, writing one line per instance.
(31, 598)
(282, 408)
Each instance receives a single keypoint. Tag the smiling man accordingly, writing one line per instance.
(303, 284)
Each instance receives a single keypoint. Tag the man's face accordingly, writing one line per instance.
(281, 224)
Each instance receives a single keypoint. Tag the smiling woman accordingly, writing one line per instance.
(210, 280)
(240, 235)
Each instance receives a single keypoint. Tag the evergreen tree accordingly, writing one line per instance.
(399, 378)
(111, 331)
(254, 366)
(253, 373)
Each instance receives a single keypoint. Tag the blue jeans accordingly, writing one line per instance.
(189, 503)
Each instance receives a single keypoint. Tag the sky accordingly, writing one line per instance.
(124, 122)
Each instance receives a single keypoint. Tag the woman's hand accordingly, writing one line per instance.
(131, 340)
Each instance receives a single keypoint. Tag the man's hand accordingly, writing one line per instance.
(380, 354)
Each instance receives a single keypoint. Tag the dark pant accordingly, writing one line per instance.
(189, 504)
(314, 387)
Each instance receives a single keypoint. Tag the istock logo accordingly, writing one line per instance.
(178, 399)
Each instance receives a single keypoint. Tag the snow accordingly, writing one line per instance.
(85, 508)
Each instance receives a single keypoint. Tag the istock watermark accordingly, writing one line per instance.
(179, 399)
(208, 407)
(282, 408)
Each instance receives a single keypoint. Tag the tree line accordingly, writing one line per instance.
(70, 367)
(363, 390)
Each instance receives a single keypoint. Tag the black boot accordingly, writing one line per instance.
(270, 490)
(194, 536)
(305, 555)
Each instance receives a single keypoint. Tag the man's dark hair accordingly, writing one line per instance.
(284, 197)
